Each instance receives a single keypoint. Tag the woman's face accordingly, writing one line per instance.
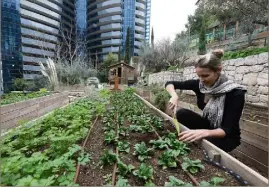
(207, 76)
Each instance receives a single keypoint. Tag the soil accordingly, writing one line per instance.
(250, 112)
(91, 174)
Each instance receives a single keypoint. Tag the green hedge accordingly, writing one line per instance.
(244, 53)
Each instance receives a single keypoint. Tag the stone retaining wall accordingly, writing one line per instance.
(164, 76)
(13, 114)
(251, 72)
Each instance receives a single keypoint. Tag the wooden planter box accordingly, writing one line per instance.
(227, 160)
(13, 114)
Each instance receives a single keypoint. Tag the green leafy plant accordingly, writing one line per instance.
(193, 166)
(108, 158)
(42, 150)
(19, 84)
(110, 137)
(161, 99)
(142, 151)
(179, 147)
(135, 128)
(108, 179)
(160, 144)
(215, 181)
(123, 131)
(123, 147)
(84, 158)
(167, 159)
(144, 172)
(173, 181)
(122, 182)
(244, 53)
(149, 183)
(124, 169)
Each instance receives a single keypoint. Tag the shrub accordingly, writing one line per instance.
(19, 84)
(244, 53)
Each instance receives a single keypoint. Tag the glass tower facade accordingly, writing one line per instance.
(81, 26)
(30, 31)
(108, 21)
(12, 66)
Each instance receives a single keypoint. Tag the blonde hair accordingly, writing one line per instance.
(211, 60)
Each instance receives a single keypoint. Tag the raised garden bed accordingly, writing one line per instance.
(132, 145)
(46, 152)
(14, 97)
(124, 143)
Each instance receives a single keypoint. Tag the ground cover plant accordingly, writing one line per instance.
(134, 155)
(45, 153)
(50, 152)
(20, 96)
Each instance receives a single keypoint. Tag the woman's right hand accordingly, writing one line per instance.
(173, 103)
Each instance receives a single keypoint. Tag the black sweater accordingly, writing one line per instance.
(234, 104)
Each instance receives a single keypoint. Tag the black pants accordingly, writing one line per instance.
(193, 120)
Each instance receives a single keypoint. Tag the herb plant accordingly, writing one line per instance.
(142, 151)
(173, 181)
(193, 166)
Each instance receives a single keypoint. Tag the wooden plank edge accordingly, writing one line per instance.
(227, 160)
(257, 164)
(34, 120)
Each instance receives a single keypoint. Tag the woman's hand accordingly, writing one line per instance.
(193, 135)
(173, 103)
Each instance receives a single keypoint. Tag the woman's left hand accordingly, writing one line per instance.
(193, 135)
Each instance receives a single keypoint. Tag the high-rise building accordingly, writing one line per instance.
(108, 22)
(29, 33)
(32, 29)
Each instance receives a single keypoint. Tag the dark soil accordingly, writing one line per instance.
(161, 176)
(91, 174)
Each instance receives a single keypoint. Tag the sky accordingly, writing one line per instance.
(168, 17)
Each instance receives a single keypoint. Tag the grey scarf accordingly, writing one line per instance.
(214, 108)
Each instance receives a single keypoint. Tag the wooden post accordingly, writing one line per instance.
(236, 28)
(116, 83)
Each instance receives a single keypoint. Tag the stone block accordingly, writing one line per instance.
(251, 60)
(257, 68)
(263, 75)
(252, 90)
(262, 82)
(239, 62)
(230, 68)
(252, 99)
(263, 58)
(263, 90)
(264, 98)
(243, 69)
(250, 79)
(238, 77)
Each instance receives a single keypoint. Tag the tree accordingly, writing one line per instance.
(103, 71)
(166, 53)
(72, 63)
(127, 46)
(202, 40)
(248, 13)
(152, 38)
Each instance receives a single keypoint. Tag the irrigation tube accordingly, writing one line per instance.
(188, 173)
(117, 154)
(207, 158)
(217, 164)
(83, 146)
